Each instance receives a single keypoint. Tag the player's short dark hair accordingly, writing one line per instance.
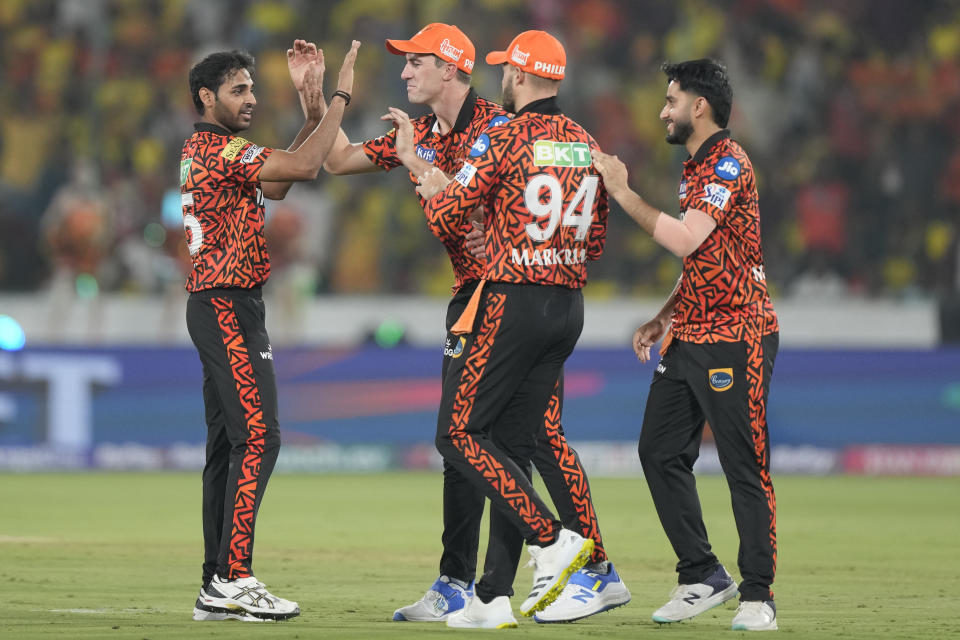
(706, 78)
(213, 71)
(462, 76)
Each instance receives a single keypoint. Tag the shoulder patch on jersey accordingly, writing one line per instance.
(499, 120)
(466, 173)
(550, 153)
(233, 148)
(185, 165)
(250, 154)
(480, 146)
(717, 195)
(728, 168)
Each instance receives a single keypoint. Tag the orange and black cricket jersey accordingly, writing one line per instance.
(723, 291)
(446, 152)
(545, 206)
(223, 213)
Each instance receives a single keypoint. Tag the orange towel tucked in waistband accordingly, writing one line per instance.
(464, 323)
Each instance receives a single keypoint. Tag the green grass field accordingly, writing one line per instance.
(118, 556)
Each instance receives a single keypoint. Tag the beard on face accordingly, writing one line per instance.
(681, 132)
(509, 101)
(230, 120)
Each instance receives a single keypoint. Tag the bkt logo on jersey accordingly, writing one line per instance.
(550, 153)
(426, 154)
(480, 146)
(499, 120)
(728, 168)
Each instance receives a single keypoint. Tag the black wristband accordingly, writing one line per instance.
(342, 94)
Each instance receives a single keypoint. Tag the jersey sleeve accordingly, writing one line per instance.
(468, 189)
(722, 186)
(382, 151)
(241, 160)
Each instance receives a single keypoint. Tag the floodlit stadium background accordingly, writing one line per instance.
(846, 109)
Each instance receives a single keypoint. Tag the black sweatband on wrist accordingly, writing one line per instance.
(342, 94)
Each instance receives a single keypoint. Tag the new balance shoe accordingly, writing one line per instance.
(441, 599)
(245, 595)
(689, 600)
(756, 615)
(495, 614)
(206, 613)
(589, 591)
(553, 566)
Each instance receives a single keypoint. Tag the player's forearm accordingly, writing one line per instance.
(278, 190)
(637, 208)
(306, 161)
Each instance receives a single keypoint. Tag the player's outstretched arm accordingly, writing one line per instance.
(680, 237)
(306, 161)
(306, 66)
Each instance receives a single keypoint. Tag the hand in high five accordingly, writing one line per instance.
(401, 122)
(345, 79)
(299, 59)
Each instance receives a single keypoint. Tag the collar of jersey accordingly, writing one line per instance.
(464, 118)
(202, 127)
(708, 145)
(546, 106)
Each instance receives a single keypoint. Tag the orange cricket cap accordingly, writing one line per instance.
(442, 40)
(535, 52)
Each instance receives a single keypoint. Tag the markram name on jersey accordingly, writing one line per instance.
(548, 257)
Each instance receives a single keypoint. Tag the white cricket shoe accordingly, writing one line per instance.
(443, 598)
(688, 600)
(245, 595)
(589, 591)
(756, 615)
(495, 614)
(553, 566)
(205, 613)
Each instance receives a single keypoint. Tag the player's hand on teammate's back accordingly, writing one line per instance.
(612, 170)
(299, 59)
(345, 79)
(431, 183)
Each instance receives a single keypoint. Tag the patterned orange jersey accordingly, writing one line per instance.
(723, 291)
(223, 209)
(446, 153)
(545, 207)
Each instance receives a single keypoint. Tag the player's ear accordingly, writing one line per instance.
(207, 97)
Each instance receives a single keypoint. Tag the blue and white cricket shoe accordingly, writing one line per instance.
(441, 599)
(589, 591)
(689, 600)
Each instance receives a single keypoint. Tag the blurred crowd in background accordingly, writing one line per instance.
(847, 110)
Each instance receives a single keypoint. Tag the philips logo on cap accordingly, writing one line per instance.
(554, 69)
